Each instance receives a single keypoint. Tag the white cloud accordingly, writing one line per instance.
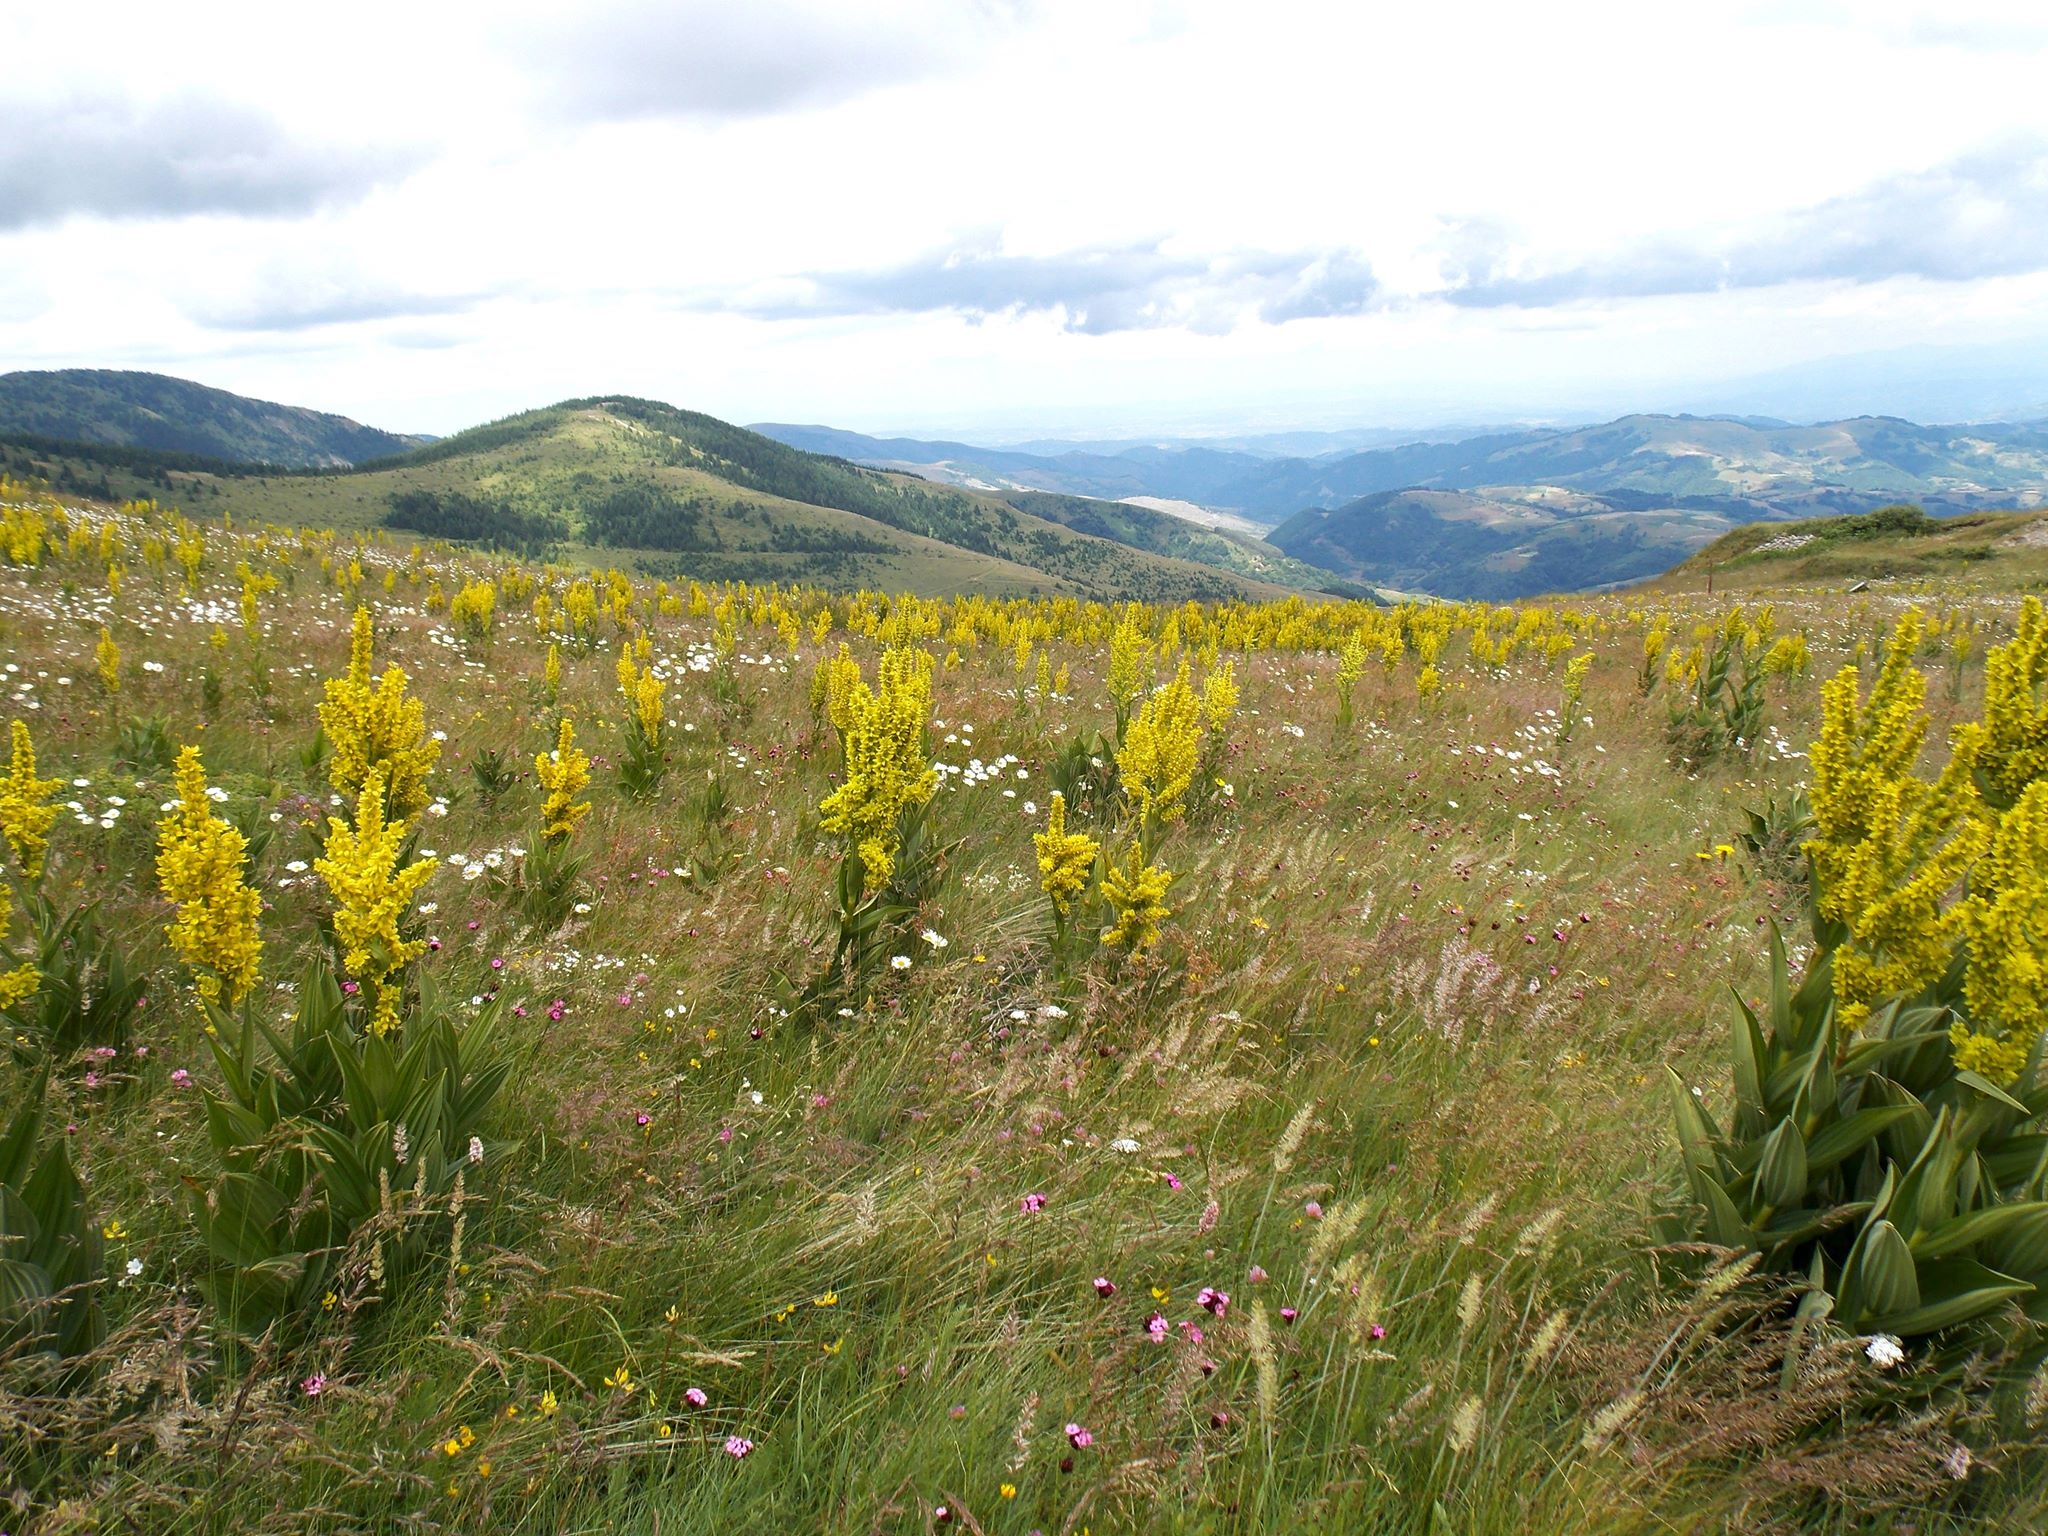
(937, 212)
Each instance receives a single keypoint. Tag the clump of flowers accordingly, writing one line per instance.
(1065, 859)
(199, 866)
(378, 725)
(1161, 751)
(25, 808)
(564, 773)
(646, 697)
(1137, 891)
(20, 981)
(371, 893)
(888, 768)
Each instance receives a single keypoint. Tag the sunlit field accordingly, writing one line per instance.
(805, 1137)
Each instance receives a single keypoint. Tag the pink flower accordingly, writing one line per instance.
(351, 988)
(819, 1101)
(1173, 1181)
(695, 1397)
(181, 1078)
(1157, 1326)
(1193, 1332)
(642, 1118)
(104, 1052)
(1288, 1314)
(738, 1447)
(1215, 1301)
(625, 999)
(1031, 1204)
(1079, 1437)
(1377, 1331)
(1257, 1276)
(92, 1079)
(724, 1134)
(313, 1385)
(1104, 1286)
(1313, 1211)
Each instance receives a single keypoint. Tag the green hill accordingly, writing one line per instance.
(1991, 549)
(672, 493)
(152, 411)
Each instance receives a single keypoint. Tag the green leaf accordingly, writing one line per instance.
(1842, 1140)
(1951, 1291)
(1781, 1169)
(1880, 1272)
(1973, 1227)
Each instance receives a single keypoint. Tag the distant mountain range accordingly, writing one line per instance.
(1745, 467)
(125, 409)
(1504, 514)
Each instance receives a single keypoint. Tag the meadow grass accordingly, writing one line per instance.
(1389, 1080)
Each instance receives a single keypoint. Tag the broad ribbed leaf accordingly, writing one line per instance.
(1781, 1168)
(1951, 1291)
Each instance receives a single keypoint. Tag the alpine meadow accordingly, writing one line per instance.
(1221, 771)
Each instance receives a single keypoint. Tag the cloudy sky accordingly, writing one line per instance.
(1037, 216)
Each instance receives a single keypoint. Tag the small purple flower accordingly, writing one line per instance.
(1031, 1204)
(643, 1119)
(104, 1052)
(724, 1134)
(1104, 1286)
(1157, 1326)
(695, 1397)
(497, 964)
(1377, 1331)
(1193, 1331)
(1313, 1211)
(1217, 1302)
(313, 1385)
(1173, 1181)
(738, 1447)
(1079, 1438)
(1288, 1314)
(180, 1078)
(1257, 1275)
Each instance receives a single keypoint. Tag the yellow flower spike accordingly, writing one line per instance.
(1137, 892)
(564, 773)
(1064, 858)
(200, 869)
(377, 726)
(888, 770)
(25, 809)
(371, 893)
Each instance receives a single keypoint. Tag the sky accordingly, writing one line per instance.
(1014, 218)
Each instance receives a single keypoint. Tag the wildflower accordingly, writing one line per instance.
(888, 770)
(695, 1397)
(25, 811)
(828, 1299)
(1214, 1301)
(1288, 1314)
(1104, 1286)
(370, 894)
(622, 1380)
(1158, 758)
(1136, 894)
(476, 1149)
(899, 962)
(373, 727)
(1157, 1326)
(1064, 858)
(933, 938)
(549, 1404)
(313, 1385)
(1079, 1438)
(738, 1447)
(134, 1267)
(1883, 1351)
(563, 773)
(199, 866)
(1007, 1491)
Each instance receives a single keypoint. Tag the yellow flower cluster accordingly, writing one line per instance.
(199, 866)
(1161, 751)
(2013, 751)
(1064, 858)
(25, 809)
(2006, 917)
(1219, 697)
(832, 684)
(22, 980)
(563, 773)
(888, 770)
(1138, 893)
(107, 657)
(645, 695)
(1889, 847)
(371, 893)
(377, 727)
(474, 608)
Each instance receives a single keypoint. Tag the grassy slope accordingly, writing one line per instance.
(2004, 547)
(1164, 534)
(556, 460)
(1408, 980)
